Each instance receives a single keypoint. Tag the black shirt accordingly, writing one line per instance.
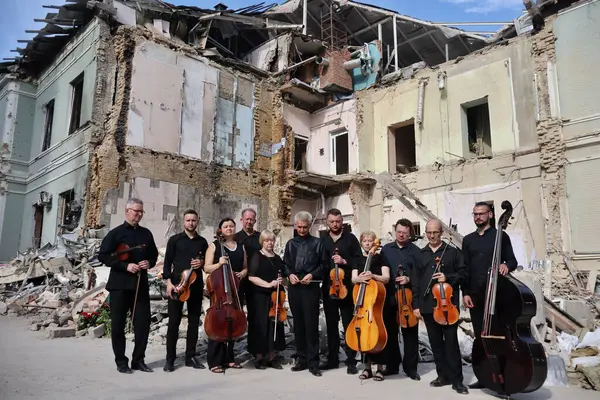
(349, 249)
(119, 278)
(265, 268)
(478, 251)
(179, 253)
(236, 256)
(250, 242)
(304, 255)
(406, 255)
(452, 266)
(377, 262)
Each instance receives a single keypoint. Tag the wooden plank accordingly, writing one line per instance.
(564, 321)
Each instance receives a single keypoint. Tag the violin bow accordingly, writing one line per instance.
(276, 308)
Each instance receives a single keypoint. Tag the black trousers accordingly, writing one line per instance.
(219, 354)
(446, 352)
(333, 309)
(410, 339)
(477, 313)
(304, 304)
(122, 301)
(175, 308)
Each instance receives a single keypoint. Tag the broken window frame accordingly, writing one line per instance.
(64, 200)
(48, 123)
(392, 146)
(333, 135)
(36, 241)
(77, 86)
(482, 146)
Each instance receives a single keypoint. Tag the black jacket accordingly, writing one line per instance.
(452, 266)
(119, 278)
(304, 255)
(349, 249)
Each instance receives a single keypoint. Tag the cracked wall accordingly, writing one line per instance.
(169, 182)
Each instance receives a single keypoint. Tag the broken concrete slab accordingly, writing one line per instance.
(97, 331)
(3, 308)
(57, 332)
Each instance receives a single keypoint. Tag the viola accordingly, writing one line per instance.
(444, 311)
(506, 358)
(225, 319)
(366, 332)
(277, 312)
(405, 317)
(188, 277)
(123, 250)
(337, 290)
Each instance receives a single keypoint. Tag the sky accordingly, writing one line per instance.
(18, 15)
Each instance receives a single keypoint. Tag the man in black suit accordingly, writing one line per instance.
(128, 284)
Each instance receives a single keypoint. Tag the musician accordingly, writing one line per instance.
(184, 250)
(263, 272)
(349, 253)
(478, 250)
(442, 338)
(220, 354)
(304, 261)
(403, 252)
(248, 238)
(128, 284)
(378, 271)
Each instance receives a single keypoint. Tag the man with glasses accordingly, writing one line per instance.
(442, 338)
(128, 284)
(403, 252)
(478, 250)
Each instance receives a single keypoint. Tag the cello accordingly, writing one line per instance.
(506, 358)
(337, 290)
(366, 332)
(405, 317)
(225, 319)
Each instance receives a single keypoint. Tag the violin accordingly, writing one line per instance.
(337, 290)
(366, 332)
(444, 311)
(277, 312)
(123, 250)
(188, 277)
(405, 317)
(506, 358)
(225, 319)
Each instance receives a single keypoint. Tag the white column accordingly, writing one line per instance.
(304, 15)
(395, 43)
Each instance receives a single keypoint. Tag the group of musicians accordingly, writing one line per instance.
(306, 263)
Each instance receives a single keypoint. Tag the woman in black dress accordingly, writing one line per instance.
(220, 354)
(263, 274)
(378, 271)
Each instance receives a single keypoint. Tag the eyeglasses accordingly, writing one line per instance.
(136, 211)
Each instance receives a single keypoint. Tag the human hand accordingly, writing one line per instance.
(222, 261)
(338, 260)
(503, 269)
(403, 280)
(441, 278)
(366, 276)
(306, 280)
(144, 264)
(293, 279)
(417, 313)
(170, 289)
(196, 263)
(468, 302)
(133, 268)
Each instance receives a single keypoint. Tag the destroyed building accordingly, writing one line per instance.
(306, 105)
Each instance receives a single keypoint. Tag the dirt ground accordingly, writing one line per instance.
(33, 366)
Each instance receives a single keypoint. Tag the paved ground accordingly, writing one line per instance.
(32, 366)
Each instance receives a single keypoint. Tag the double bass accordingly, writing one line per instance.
(225, 319)
(366, 332)
(506, 358)
(405, 317)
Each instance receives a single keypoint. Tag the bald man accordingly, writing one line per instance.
(443, 338)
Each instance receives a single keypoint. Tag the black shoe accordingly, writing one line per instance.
(141, 366)
(414, 376)
(315, 371)
(437, 382)
(460, 388)
(476, 385)
(351, 369)
(329, 365)
(260, 364)
(299, 367)
(124, 369)
(273, 364)
(194, 363)
(169, 367)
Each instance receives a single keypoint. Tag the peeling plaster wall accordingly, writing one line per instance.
(273, 55)
(319, 127)
(342, 202)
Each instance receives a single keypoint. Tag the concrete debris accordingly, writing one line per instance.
(582, 358)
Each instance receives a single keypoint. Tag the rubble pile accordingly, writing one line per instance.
(582, 358)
